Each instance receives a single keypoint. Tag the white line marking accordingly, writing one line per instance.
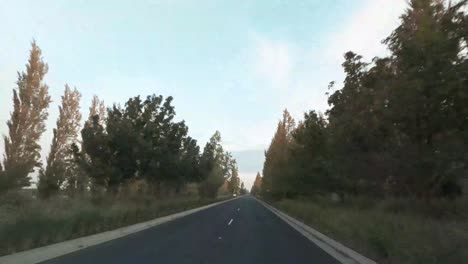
(230, 222)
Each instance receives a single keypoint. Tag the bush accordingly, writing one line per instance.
(435, 208)
(16, 198)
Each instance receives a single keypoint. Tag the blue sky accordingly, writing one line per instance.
(231, 66)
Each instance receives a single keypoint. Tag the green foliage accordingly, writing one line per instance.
(95, 156)
(310, 157)
(188, 168)
(77, 181)
(216, 166)
(428, 98)
(140, 141)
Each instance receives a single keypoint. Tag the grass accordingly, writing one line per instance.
(27, 223)
(390, 231)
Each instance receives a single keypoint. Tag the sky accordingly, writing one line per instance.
(231, 66)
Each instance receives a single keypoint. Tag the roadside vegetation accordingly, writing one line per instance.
(384, 169)
(392, 230)
(125, 165)
(29, 223)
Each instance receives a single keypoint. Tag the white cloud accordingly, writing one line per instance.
(302, 82)
(365, 29)
(362, 32)
(253, 135)
(273, 60)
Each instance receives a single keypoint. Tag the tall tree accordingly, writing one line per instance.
(212, 166)
(4, 184)
(234, 180)
(167, 140)
(140, 141)
(190, 161)
(396, 127)
(95, 155)
(357, 134)
(93, 158)
(97, 108)
(276, 171)
(309, 156)
(429, 96)
(60, 160)
(27, 123)
(257, 185)
(77, 181)
(242, 189)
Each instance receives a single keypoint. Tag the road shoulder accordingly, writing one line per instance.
(337, 250)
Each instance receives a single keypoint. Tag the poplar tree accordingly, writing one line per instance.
(27, 122)
(97, 108)
(275, 170)
(257, 185)
(60, 163)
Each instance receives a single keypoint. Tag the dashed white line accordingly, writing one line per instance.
(230, 222)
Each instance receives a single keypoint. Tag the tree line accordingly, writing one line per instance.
(118, 145)
(399, 124)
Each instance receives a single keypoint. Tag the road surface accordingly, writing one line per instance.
(238, 231)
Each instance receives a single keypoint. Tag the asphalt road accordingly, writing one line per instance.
(238, 231)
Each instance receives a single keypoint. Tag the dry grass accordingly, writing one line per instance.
(27, 223)
(391, 231)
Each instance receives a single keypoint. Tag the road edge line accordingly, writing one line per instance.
(337, 250)
(48, 252)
